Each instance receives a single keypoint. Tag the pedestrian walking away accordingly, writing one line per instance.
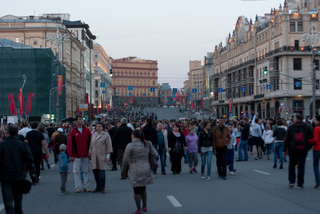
(136, 161)
(14, 155)
(297, 147)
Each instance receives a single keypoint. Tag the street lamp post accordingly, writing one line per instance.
(313, 36)
(58, 39)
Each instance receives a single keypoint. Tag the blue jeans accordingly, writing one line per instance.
(278, 147)
(161, 154)
(185, 156)
(243, 145)
(230, 159)
(206, 157)
(269, 147)
(316, 157)
(100, 177)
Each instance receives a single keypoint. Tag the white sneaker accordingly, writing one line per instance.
(208, 178)
(232, 174)
(202, 176)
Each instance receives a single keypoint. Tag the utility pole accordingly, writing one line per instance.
(313, 36)
(58, 39)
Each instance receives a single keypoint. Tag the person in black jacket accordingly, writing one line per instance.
(244, 140)
(150, 133)
(13, 155)
(176, 143)
(297, 155)
(114, 155)
(121, 138)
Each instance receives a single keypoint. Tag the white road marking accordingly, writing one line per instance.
(174, 201)
(52, 165)
(1, 207)
(265, 173)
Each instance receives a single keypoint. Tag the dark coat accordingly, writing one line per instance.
(150, 133)
(13, 155)
(288, 141)
(122, 137)
(111, 133)
(205, 140)
(172, 142)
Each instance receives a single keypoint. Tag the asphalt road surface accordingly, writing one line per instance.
(256, 188)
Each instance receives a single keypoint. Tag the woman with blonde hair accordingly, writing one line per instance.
(268, 139)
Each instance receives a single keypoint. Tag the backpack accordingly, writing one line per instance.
(299, 138)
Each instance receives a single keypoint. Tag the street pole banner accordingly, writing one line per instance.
(230, 105)
(60, 83)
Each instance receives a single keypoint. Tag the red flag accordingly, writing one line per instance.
(10, 105)
(280, 109)
(201, 104)
(126, 104)
(30, 103)
(87, 98)
(20, 98)
(192, 106)
(195, 106)
(13, 105)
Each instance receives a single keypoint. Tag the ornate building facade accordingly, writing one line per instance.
(266, 65)
(142, 77)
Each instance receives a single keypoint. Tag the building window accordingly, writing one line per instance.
(96, 64)
(17, 40)
(296, 45)
(300, 26)
(96, 83)
(297, 64)
(297, 84)
(292, 27)
(298, 104)
(97, 104)
(317, 84)
(35, 42)
(96, 56)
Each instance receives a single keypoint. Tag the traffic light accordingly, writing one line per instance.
(111, 73)
(265, 71)
(52, 116)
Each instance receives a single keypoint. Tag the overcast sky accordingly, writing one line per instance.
(169, 31)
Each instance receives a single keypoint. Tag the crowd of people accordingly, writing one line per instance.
(128, 140)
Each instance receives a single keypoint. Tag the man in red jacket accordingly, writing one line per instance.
(78, 148)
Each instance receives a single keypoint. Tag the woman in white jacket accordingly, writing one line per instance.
(268, 139)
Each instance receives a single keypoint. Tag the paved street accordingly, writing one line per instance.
(256, 188)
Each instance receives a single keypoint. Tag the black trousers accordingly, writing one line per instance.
(114, 157)
(297, 157)
(176, 161)
(37, 156)
(12, 199)
(222, 161)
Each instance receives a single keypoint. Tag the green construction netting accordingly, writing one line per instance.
(39, 67)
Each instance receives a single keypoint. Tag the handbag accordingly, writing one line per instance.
(152, 161)
(23, 186)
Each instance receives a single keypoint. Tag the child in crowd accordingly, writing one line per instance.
(63, 168)
(230, 156)
(192, 149)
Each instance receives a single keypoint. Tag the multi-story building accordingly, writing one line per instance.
(165, 92)
(195, 79)
(73, 53)
(102, 93)
(142, 77)
(266, 66)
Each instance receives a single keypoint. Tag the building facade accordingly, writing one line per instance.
(36, 31)
(102, 93)
(266, 65)
(142, 77)
(165, 91)
(196, 79)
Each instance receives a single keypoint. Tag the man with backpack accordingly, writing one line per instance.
(296, 144)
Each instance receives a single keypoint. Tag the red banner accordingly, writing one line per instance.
(87, 98)
(60, 83)
(30, 103)
(192, 106)
(13, 105)
(201, 104)
(20, 99)
(195, 106)
(10, 105)
(230, 105)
